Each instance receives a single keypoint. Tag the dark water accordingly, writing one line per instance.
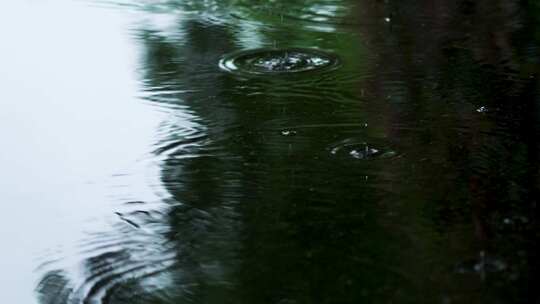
(283, 152)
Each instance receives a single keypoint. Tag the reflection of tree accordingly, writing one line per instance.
(54, 288)
(283, 220)
(466, 91)
(259, 217)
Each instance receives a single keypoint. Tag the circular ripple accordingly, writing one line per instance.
(360, 150)
(277, 61)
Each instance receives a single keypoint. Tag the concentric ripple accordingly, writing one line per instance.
(277, 61)
(360, 150)
(134, 252)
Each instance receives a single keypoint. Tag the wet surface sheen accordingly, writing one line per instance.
(280, 152)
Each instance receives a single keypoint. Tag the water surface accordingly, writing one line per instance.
(305, 151)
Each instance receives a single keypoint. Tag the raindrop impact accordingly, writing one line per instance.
(360, 150)
(287, 132)
(277, 61)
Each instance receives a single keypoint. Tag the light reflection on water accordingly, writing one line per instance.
(70, 122)
(142, 173)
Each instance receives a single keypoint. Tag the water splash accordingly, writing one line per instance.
(360, 150)
(277, 61)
